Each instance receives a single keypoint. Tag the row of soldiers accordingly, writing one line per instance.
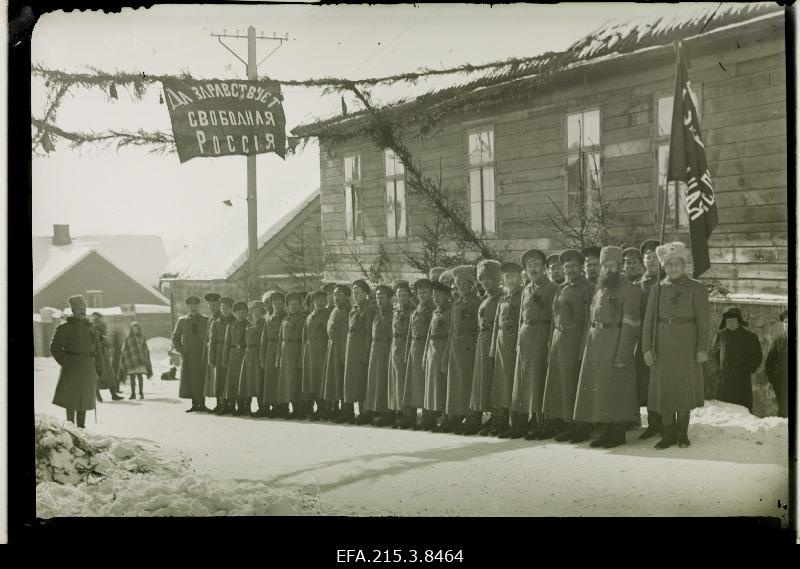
(559, 354)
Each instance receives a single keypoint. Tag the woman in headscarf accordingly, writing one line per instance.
(135, 361)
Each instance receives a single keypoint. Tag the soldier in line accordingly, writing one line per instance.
(678, 347)
(653, 273)
(632, 264)
(436, 357)
(591, 263)
(530, 373)
(483, 368)
(188, 339)
(336, 328)
(328, 289)
(419, 323)
(376, 401)
(607, 381)
(216, 345)
(76, 348)
(269, 406)
(504, 351)
(356, 361)
(447, 278)
(251, 384)
(315, 342)
(288, 360)
(570, 318)
(209, 383)
(233, 357)
(398, 356)
(463, 336)
(555, 270)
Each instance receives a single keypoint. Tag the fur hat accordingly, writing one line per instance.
(465, 272)
(446, 276)
(488, 267)
(610, 253)
(732, 313)
(267, 296)
(435, 273)
(675, 250)
(78, 301)
(256, 304)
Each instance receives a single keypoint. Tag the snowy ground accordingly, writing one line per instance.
(736, 466)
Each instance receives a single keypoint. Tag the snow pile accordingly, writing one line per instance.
(720, 414)
(85, 474)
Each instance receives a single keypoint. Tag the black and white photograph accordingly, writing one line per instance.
(410, 261)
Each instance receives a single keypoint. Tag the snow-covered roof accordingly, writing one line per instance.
(142, 256)
(614, 38)
(222, 253)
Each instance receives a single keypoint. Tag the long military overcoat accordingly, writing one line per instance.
(570, 317)
(233, 357)
(76, 348)
(414, 387)
(483, 367)
(315, 344)
(216, 346)
(530, 372)
(333, 385)
(251, 383)
(504, 349)
(377, 398)
(268, 351)
(356, 359)
(645, 285)
(436, 356)
(188, 339)
(608, 394)
(289, 358)
(401, 321)
(461, 359)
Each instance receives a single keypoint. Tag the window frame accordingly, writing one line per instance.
(351, 213)
(581, 152)
(394, 178)
(94, 298)
(481, 167)
(674, 222)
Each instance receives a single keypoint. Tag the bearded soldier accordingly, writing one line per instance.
(675, 343)
(530, 372)
(356, 362)
(653, 273)
(414, 388)
(333, 384)
(463, 336)
(504, 350)
(315, 342)
(607, 380)
(570, 318)
(398, 356)
(377, 398)
(216, 345)
(483, 368)
(188, 339)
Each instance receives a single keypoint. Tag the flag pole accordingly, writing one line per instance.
(676, 45)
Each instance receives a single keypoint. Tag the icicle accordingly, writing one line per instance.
(113, 91)
(47, 144)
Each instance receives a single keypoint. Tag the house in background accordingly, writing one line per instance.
(290, 257)
(109, 270)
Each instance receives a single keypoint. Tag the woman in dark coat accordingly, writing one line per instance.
(232, 359)
(288, 357)
(420, 321)
(251, 383)
(736, 354)
(315, 343)
(135, 361)
(333, 384)
(776, 367)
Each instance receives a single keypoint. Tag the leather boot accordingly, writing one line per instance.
(683, 429)
(447, 425)
(365, 418)
(566, 432)
(668, 437)
(408, 420)
(521, 430)
(487, 427)
(81, 419)
(548, 430)
(473, 424)
(616, 436)
(346, 413)
(533, 429)
(511, 429)
(458, 427)
(501, 423)
(604, 436)
(582, 433)
(653, 426)
(428, 422)
(386, 419)
(71, 416)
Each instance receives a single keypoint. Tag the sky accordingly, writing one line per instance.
(100, 190)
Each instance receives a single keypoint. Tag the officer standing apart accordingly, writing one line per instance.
(76, 347)
(188, 339)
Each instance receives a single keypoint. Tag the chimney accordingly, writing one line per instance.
(61, 235)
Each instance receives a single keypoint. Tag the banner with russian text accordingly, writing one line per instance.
(217, 117)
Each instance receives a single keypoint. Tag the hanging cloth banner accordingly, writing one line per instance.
(226, 117)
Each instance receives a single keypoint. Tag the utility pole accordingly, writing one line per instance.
(252, 209)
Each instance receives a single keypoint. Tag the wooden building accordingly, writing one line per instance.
(513, 140)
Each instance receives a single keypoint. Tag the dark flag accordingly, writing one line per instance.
(687, 165)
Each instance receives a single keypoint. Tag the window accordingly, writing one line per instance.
(677, 217)
(585, 159)
(353, 208)
(481, 181)
(396, 223)
(94, 298)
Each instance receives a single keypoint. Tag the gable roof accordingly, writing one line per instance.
(63, 263)
(611, 40)
(224, 252)
(144, 257)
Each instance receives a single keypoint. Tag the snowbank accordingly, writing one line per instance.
(84, 474)
(719, 414)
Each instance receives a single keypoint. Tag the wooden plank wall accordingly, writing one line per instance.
(743, 84)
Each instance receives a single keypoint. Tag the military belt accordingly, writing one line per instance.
(564, 326)
(681, 320)
(606, 324)
(535, 322)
